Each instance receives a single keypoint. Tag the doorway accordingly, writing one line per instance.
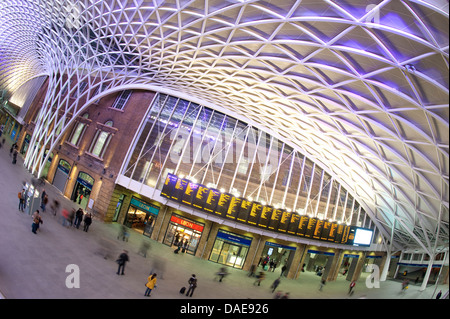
(82, 190)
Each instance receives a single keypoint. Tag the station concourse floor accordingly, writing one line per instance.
(33, 266)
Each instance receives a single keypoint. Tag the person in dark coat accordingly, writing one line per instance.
(87, 221)
(78, 217)
(192, 285)
(122, 260)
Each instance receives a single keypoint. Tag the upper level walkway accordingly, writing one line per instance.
(35, 265)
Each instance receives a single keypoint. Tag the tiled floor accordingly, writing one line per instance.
(36, 265)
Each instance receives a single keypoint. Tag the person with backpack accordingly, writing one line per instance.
(192, 285)
(21, 200)
(37, 219)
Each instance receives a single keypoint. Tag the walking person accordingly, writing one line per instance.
(192, 285)
(151, 284)
(322, 284)
(275, 284)
(14, 155)
(87, 221)
(78, 218)
(122, 260)
(259, 278)
(55, 207)
(350, 290)
(44, 202)
(37, 219)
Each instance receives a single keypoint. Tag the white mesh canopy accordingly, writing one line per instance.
(361, 87)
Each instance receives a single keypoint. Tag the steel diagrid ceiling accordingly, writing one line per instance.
(360, 87)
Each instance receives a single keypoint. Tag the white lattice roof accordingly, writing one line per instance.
(361, 88)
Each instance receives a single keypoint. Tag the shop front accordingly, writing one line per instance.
(141, 216)
(83, 188)
(230, 249)
(184, 233)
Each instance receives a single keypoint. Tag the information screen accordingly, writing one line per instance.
(293, 225)
(244, 210)
(266, 214)
(311, 227)
(318, 229)
(200, 196)
(363, 237)
(179, 189)
(339, 233)
(345, 234)
(332, 234)
(169, 185)
(189, 193)
(284, 221)
(303, 225)
(233, 208)
(275, 219)
(223, 203)
(211, 201)
(255, 213)
(325, 230)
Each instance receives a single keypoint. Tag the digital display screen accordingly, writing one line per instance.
(255, 213)
(318, 229)
(189, 193)
(275, 219)
(244, 210)
(266, 214)
(179, 189)
(222, 204)
(332, 233)
(284, 221)
(311, 227)
(303, 225)
(211, 201)
(339, 233)
(233, 208)
(293, 224)
(325, 230)
(363, 237)
(345, 234)
(200, 197)
(169, 185)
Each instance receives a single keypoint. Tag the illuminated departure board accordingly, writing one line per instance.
(233, 208)
(325, 230)
(303, 225)
(169, 185)
(311, 227)
(222, 204)
(284, 221)
(211, 201)
(242, 210)
(266, 214)
(332, 233)
(179, 189)
(318, 229)
(293, 225)
(200, 197)
(189, 193)
(255, 213)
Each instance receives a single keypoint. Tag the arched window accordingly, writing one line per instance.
(78, 131)
(101, 141)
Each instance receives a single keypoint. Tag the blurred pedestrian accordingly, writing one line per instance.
(121, 261)
(275, 284)
(322, 284)
(44, 203)
(151, 284)
(87, 221)
(352, 285)
(439, 294)
(222, 273)
(54, 207)
(71, 217)
(192, 285)
(259, 278)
